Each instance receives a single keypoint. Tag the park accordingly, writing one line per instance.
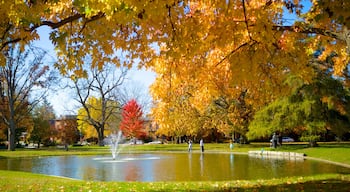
(331, 153)
(247, 95)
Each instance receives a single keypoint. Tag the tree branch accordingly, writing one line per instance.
(171, 22)
(310, 30)
(69, 19)
(246, 19)
(234, 51)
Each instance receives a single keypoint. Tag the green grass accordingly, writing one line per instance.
(336, 153)
(54, 152)
(21, 181)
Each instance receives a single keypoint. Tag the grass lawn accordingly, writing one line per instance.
(336, 152)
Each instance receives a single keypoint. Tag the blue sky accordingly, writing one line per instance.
(62, 101)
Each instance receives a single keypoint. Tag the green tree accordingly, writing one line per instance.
(311, 110)
(42, 115)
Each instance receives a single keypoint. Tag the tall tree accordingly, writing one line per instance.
(96, 94)
(24, 83)
(132, 122)
(310, 111)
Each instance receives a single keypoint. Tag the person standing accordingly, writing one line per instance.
(190, 145)
(201, 144)
(274, 140)
(231, 145)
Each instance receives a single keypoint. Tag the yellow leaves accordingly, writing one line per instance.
(95, 112)
(2, 60)
(326, 53)
(200, 50)
(337, 52)
(341, 61)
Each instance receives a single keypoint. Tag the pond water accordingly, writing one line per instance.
(169, 167)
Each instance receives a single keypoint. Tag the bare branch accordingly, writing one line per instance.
(100, 83)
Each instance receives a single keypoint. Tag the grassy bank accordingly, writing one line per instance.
(20, 181)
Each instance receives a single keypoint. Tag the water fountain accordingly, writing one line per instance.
(113, 140)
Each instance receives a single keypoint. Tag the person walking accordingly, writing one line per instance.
(201, 144)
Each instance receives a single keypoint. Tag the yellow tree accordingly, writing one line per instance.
(251, 43)
(87, 130)
(89, 118)
(246, 45)
(174, 110)
(97, 93)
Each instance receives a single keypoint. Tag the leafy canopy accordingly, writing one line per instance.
(311, 110)
(219, 48)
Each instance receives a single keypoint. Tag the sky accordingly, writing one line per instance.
(62, 100)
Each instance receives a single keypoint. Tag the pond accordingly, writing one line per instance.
(169, 167)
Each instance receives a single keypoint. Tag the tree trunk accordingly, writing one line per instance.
(12, 132)
(100, 137)
(11, 138)
(12, 124)
(313, 144)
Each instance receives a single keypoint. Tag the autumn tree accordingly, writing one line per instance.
(230, 116)
(24, 82)
(96, 93)
(134, 89)
(244, 45)
(173, 107)
(95, 110)
(42, 114)
(221, 30)
(132, 120)
(256, 53)
(69, 132)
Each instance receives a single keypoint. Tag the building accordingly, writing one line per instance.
(64, 130)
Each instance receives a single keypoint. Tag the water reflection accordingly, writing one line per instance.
(169, 167)
(201, 160)
(190, 164)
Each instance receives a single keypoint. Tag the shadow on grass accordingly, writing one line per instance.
(318, 185)
(329, 185)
